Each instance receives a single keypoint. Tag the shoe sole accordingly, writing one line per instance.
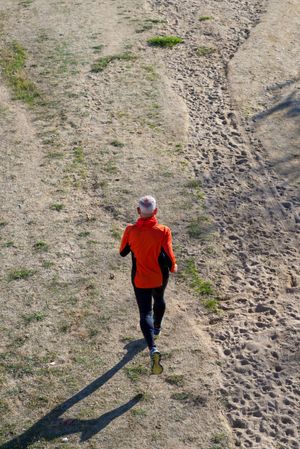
(156, 367)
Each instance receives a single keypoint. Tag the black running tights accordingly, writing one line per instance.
(150, 318)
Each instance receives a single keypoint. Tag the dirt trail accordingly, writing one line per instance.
(257, 264)
(159, 121)
(74, 164)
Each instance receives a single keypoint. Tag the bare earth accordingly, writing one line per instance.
(214, 135)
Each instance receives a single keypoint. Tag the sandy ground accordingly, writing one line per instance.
(167, 122)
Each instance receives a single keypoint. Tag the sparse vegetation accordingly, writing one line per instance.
(103, 62)
(55, 155)
(164, 41)
(35, 316)
(181, 396)
(117, 143)
(41, 246)
(84, 234)
(47, 264)
(138, 412)
(22, 273)
(116, 233)
(25, 3)
(151, 72)
(135, 372)
(3, 111)
(200, 286)
(200, 227)
(9, 244)
(205, 18)
(148, 25)
(205, 51)
(78, 155)
(57, 206)
(98, 48)
(212, 305)
(175, 379)
(13, 60)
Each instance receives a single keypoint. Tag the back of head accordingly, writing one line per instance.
(147, 205)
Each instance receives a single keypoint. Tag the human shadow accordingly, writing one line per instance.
(53, 426)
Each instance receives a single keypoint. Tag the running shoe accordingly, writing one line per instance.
(155, 356)
(156, 332)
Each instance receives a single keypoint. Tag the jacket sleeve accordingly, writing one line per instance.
(167, 247)
(124, 247)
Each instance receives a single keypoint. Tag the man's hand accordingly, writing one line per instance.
(175, 268)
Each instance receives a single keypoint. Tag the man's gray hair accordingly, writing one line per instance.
(147, 204)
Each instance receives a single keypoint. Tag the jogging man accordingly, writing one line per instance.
(150, 245)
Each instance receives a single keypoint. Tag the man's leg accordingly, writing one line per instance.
(159, 306)
(144, 302)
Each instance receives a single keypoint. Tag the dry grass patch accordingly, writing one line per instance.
(103, 62)
(135, 372)
(205, 51)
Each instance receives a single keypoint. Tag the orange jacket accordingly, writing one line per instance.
(151, 246)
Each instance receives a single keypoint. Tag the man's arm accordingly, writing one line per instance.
(167, 247)
(124, 247)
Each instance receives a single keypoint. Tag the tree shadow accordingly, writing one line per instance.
(290, 104)
(53, 426)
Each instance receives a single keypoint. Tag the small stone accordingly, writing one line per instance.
(287, 205)
(239, 424)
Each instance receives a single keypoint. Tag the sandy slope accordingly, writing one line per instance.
(150, 124)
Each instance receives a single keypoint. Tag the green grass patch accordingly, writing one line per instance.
(25, 3)
(219, 438)
(211, 304)
(127, 338)
(47, 264)
(116, 143)
(138, 412)
(8, 244)
(98, 48)
(197, 283)
(175, 379)
(201, 286)
(22, 273)
(200, 227)
(41, 246)
(78, 155)
(151, 73)
(35, 316)
(164, 41)
(148, 25)
(57, 206)
(110, 166)
(12, 61)
(135, 372)
(116, 233)
(103, 62)
(55, 155)
(181, 396)
(84, 234)
(205, 18)
(4, 110)
(205, 51)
